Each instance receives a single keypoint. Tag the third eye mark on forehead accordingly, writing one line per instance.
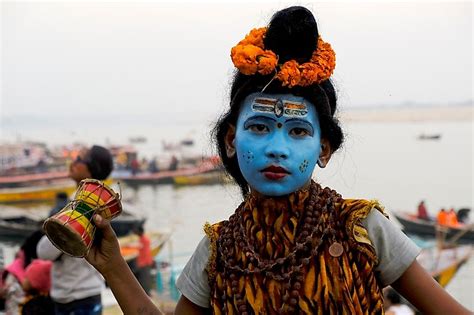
(279, 107)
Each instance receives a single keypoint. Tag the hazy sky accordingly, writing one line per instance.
(105, 57)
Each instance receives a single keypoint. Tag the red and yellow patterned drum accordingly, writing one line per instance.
(72, 229)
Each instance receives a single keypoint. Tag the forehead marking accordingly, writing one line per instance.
(279, 107)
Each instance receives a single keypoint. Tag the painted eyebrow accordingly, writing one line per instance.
(260, 117)
(251, 119)
(301, 121)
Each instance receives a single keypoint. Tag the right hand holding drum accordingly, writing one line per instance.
(72, 230)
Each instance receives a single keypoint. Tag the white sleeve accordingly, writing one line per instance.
(395, 251)
(193, 280)
(46, 250)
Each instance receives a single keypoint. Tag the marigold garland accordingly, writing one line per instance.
(250, 57)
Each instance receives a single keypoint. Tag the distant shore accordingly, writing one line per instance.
(408, 114)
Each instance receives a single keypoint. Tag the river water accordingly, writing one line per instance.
(383, 161)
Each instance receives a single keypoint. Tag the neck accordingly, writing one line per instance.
(257, 194)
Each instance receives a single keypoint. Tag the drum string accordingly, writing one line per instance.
(95, 207)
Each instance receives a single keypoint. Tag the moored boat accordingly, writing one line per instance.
(210, 178)
(29, 179)
(444, 263)
(164, 177)
(129, 249)
(413, 225)
(18, 227)
(35, 194)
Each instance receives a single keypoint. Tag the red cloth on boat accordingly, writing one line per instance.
(144, 252)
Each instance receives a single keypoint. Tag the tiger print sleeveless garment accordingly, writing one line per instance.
(305, 253)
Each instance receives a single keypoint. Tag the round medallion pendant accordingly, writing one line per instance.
(336, 249)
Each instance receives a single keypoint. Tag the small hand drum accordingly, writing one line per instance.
(72, 229)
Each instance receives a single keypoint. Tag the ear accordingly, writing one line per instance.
(325, 154)
(229, 141)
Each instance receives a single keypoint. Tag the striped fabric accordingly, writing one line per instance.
(326, 285)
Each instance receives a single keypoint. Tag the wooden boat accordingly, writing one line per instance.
(412, 225)
(29, 179)
(18, 227)
(423, 136)
(128, 244)
(164, 177)
(443, 263)
(35, 194)
(210, 178)
(39, 193)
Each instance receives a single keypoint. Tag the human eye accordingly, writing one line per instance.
(258, 128)
(300, 132)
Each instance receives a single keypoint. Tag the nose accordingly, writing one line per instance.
(277, 148)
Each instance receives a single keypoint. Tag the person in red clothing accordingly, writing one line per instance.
(422, 212)
(144, 261)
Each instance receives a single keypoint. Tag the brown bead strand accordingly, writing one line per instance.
(317, 222)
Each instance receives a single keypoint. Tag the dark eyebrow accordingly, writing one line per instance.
(309, 125)
(297, 120)
(261, 117)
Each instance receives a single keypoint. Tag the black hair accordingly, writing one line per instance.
(292, 34)
(29, 246)
(140, 230)
(99, 162)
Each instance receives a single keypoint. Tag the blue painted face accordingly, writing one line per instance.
(277, 142)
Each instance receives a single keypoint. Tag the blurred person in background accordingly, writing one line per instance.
(144, 260)
(75, 285)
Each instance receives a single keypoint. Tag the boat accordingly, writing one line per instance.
(128, 244)
(412, 225)
(137, 139)
(210, 178)
(444, 263)
(126, 223)
(29, 179)
(17, 227)
(423, 136)
(35, 194)
(164, 177)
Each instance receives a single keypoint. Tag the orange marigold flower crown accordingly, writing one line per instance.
(250, 57)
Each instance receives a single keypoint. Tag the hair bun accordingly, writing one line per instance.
(292, 34)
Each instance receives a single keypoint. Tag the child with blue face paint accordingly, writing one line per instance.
(276, 150)
(291, 247)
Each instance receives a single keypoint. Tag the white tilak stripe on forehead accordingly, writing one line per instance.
(290, 108)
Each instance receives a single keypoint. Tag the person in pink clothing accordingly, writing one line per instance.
(36, 285)
(37, 277)
(144, 261)
(14, 274)
(11, 289)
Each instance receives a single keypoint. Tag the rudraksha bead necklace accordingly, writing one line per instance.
(317, 223)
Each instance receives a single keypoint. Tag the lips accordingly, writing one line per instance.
(275, 172)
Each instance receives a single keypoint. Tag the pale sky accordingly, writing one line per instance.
(106, 57)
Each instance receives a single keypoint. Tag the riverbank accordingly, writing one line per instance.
(408, 114)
